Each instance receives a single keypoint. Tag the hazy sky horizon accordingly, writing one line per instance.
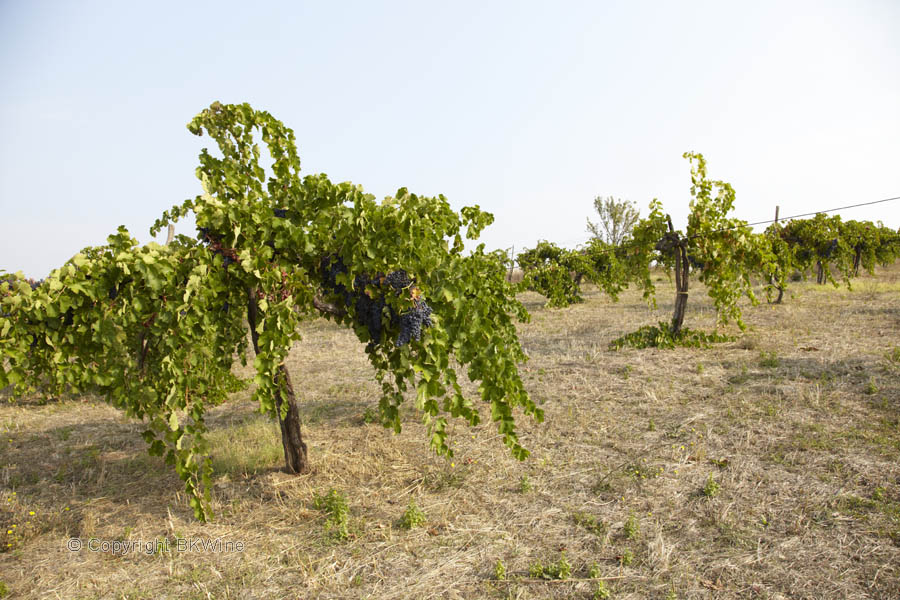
(529, 110)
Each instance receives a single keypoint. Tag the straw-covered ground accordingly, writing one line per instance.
(766, 467)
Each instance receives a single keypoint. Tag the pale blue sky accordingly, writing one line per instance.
(528, 109)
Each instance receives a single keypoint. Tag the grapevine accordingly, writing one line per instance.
(155, 330)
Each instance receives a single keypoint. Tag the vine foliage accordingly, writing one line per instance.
(558, 273)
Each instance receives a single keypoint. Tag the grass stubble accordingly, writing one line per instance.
(768, 467)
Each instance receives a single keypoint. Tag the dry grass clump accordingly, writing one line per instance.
(767, 467)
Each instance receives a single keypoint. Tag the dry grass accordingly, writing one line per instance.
(796, 422)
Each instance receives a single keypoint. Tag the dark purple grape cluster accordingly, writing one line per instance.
(369, 310)
(368, 314)
(398, 280)
(330, 267)
(695, 264)
(281, 213)
(412, 321)
(115, 289)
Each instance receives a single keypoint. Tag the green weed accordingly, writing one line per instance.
(500, 570)
(632, 527)
(413, 517)
(369, 416)
(334, 504)
(712, 488)
(894, 355)
(870, 388)
(525, 484)
(561, 569)
(768, 360)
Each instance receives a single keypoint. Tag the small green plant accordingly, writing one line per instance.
(632, 527)
(768, 360)
(626, 558)
(413, 517)
(500, 570)
(699, 368)
(626, 371)
(525, 484)
(651, 426)
(601, 592)
(4, 591)
(562, 569)
(870, 388)
(369, 416)
(334, 504)
(894, 355)
(712, 488)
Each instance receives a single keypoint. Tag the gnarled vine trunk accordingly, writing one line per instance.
(296, 459)
(682, 271)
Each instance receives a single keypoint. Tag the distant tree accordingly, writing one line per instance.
(617, 219)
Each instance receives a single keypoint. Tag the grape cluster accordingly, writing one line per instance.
(695, 264)
(281, 213)
(370, 310)
(368, 313)
(330, 267)
(115, 289)
(831, 248)
(229, 255)
(398, 280)
(412, 321)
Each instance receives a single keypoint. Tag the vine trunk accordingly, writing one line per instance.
(296, 459)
